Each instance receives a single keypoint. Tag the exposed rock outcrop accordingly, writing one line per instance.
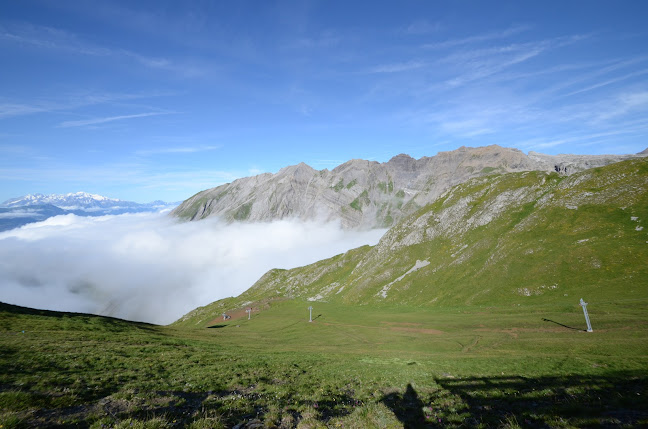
(501, 240)
(369, 194)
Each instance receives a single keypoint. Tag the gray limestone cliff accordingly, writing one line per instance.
(368, 194)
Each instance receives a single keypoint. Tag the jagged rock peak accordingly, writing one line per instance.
(355, 163)
(368, 194)
(301, 167)
(402, 161)
(402, 157)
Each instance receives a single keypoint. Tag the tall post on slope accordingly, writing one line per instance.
(249, 312)
(310, 313)
(584, 305)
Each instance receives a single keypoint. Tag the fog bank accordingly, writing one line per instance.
(149, 267)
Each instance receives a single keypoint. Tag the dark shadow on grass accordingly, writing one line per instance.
(564, 326)
(611, 400)
(407, 407)
(86, 321)
(216, 326)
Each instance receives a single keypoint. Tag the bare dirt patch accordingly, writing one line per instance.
(400, 324)
(417, 330)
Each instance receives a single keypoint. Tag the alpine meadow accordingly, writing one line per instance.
(465, 314)
(320, 214)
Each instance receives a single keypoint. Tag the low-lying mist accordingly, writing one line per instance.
(149, 267)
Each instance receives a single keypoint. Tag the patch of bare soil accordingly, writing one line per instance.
(400, 324)
(417, 330)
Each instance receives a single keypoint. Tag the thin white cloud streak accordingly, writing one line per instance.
(487, 67)
(175, 150)
(134, 177)
(623, 104)
(126, 173)
(19, 214)
(608, 82)
(578, 79)
(422, 27)
(478, 38)
(485, 62)
(59, 40)
(397, 67)
(96, 121)
(151, 268)
(19, 109)
(582, 139)
(9, 109)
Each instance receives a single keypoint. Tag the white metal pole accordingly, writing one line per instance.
(587, 319)
(310, 313)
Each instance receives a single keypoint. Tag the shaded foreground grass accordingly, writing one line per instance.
(352, 367)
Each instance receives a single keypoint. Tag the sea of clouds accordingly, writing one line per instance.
(150, 267)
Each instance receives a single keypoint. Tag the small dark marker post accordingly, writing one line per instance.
(310, 313)
(584, 305)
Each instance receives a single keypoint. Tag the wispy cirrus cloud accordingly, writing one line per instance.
(71, 102)
(325, 39)
(487, 62)
(179, 149)
(136, 176)
(624, 104)
(479, 63)
(422, 26)
(479, 38)
(397, 67)
(608, 82)
(50, 38)
(19, 109)
(583, 139)
(96, 121)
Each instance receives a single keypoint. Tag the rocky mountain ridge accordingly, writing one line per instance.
(368, 194)
(504, 239)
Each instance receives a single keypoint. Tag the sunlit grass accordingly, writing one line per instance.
(353, 366)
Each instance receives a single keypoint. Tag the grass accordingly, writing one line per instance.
(522, 238)
(360, 366)
(488, 333)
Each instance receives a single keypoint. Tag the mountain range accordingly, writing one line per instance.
(368, 194)
(20, 211)
(532, 237)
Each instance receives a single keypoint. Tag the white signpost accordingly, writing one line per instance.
(249, 312)
(584, 305)
(310, 313)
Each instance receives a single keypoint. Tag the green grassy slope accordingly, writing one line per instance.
(506, 240)
(353, 366)
(518, 239)
(464, 315)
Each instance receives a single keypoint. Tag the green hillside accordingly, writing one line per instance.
(353, 366)
(464, 315)
(503, 240)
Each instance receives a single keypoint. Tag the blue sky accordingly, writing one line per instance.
(161, 99)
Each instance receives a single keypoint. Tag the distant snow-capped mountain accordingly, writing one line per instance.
(82, 201)
(71, 201)
(31, 208)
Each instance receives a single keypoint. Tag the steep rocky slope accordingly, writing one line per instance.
(369, 194)
(510, 239)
